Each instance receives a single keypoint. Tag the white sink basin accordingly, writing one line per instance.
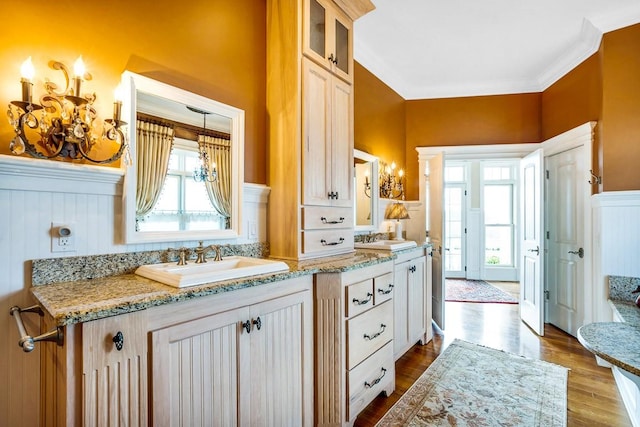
(387, 245)
(231, 267)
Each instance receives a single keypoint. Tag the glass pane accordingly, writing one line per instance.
(496, 173)
(317, 28)
(454, 233)
(497, 204)
(498, 245)
(170, 196)
(342, 47)
(196, 199)
(454, 174)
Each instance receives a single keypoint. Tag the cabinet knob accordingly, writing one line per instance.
(247, 326)
(257, 322)
(118, 340)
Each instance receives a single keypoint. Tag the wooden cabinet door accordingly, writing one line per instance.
(417, 299)
(316, 135)
(114, 376)
(196, 371)
(400, 303)
(281, 362)
(342, 144)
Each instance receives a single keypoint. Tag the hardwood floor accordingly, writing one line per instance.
(593, 399)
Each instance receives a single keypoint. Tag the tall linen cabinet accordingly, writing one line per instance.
(310, 114)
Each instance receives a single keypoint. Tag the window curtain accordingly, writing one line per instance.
(153, 148)
(219, 152)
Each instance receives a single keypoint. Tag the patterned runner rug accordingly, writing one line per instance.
(470, 385)
(461, 290)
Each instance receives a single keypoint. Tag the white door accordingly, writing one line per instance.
(565, 240)
(531, 265)
(436, 234)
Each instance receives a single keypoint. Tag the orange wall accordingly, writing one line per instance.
(379, 118)
(574, 99)
(212, 48)
(500, 119)
(620, 130)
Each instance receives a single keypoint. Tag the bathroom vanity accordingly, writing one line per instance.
(234, 352)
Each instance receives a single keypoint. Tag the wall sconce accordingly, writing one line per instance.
(206, 171)
(367, 184)
(397, 211)
(391, 186)
(67, 123)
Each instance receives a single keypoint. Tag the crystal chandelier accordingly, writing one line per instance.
(391, 186)
(65, 120)
(206, 171)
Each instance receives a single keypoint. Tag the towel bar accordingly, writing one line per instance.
(27, 342)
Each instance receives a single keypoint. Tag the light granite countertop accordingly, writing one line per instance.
(90, 299)
(616, 342)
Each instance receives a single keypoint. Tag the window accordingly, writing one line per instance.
(183, 203)
(499, 225)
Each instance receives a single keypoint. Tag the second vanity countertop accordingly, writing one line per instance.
(85, 300)
(616, 342)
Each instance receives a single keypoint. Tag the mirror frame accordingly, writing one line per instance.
(361, 155)
(131, 84)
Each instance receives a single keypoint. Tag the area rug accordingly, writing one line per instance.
(461, 290)
(469, 385)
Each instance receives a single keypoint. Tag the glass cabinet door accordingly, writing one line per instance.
(317, 28)
(341, 47)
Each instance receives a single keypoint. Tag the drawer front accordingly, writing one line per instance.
(317, 241)
(359, 297)
(321, 217)
(368, 332)
(382, 288)
(368, 379)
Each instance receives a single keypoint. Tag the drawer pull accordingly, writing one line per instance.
(356, 301)
(377, 334)
(386, 292)
(377, 380)
(325, 243)
(339, 221)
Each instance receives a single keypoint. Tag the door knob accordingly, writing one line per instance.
(579, 252)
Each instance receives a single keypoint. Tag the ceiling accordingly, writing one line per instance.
(452, 48)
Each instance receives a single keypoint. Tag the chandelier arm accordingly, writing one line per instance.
(111, 159)
(29, 148)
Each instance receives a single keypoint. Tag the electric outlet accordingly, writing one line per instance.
(62, 237)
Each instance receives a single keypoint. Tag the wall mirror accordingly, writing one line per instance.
(365, 182)
(186, 173)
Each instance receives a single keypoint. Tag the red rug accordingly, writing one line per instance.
(461, 290)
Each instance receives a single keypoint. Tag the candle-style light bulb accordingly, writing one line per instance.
(117, 104)
(78, 72)
(393, 166)
(27, 71)
(401, 173)
(78, 67)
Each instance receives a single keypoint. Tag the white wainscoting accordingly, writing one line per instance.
(616, 243)
(35, 193)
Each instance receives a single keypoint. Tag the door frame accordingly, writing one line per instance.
(580, 135)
